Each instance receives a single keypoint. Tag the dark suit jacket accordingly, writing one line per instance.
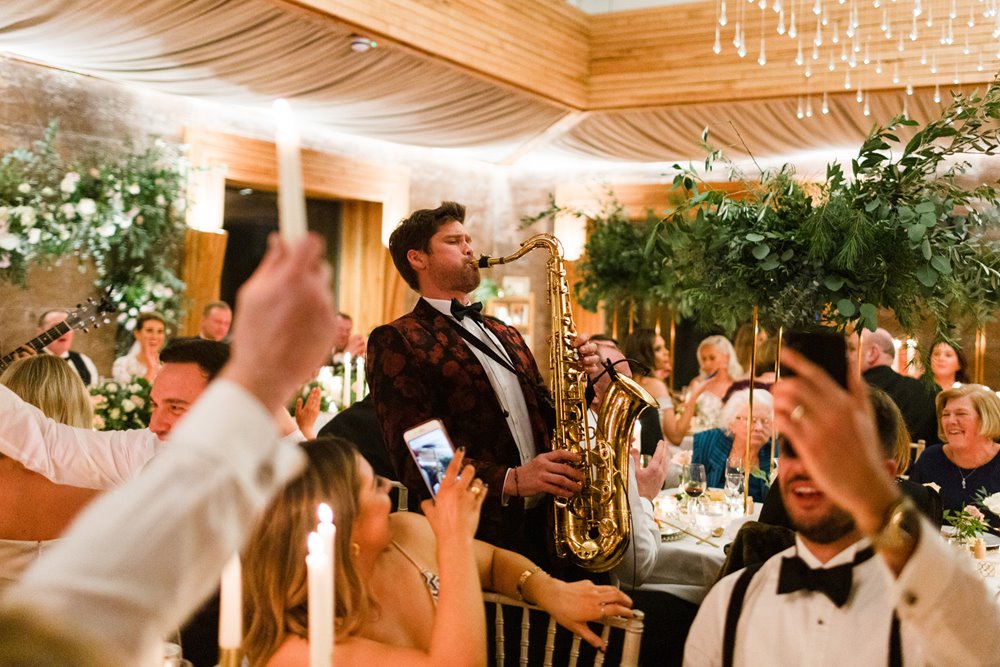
(420, 368)
(913, 398)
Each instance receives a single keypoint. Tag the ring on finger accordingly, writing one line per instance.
(797, 413)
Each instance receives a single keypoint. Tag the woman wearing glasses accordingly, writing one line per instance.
(715, 447)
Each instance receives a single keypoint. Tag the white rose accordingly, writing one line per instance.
(34, 235)
(107, 230)
(47, 191)
(115, 414)
(4, 261)
(133, 189)
(993, 503)
(27, 216)
(68, 210)
(128, 406)
(69, 182)
(24, 188)
(139, 402)
(8, 241)
(87, 206)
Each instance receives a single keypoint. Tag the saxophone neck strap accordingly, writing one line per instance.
(475, 342)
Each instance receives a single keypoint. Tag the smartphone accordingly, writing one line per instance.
(828, 350)
(431, 450)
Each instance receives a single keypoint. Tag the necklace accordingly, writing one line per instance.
(971, 473)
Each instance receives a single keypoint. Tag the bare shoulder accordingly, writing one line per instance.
(294, 652)
(655, 386)
(409, 525)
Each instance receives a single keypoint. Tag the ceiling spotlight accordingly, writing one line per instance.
(360, 44)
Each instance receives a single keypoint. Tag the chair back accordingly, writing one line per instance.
(916, 449)
(630, 629)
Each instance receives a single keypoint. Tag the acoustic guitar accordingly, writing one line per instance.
(83, 318)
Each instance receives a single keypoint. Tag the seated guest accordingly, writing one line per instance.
(869, 581)
(948, 365)
(359, 425)
(719, 369)
(648, 353)
(144, 361)
(969, 424)
(33, 510)
(136, 562)
(408, 587)
(216, 317)
(713, 448)
(913, 398)
(345, 342)
(60, 347)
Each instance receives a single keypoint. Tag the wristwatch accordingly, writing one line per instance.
(900, 527)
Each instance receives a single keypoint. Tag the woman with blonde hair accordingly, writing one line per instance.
(969, 426)
(33, 510)
(719, 369)
(408, 587)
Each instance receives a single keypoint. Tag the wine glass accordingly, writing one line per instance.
(734, 482)
(696, 483)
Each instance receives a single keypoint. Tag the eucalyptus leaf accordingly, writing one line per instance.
(846, 308)
(925, 248)
(927, 276)
(754, 237)
(770, 263)
(941, 263)
(833, 283)
(916, 232)
(760, 251)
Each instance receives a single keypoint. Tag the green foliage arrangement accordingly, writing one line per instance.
(119, 407)
(613, 268)
(125, 214)
(900, 234)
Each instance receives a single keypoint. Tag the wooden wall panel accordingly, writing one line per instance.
(204, 253)
(540, 46)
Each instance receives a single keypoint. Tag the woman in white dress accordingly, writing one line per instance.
(144, 360)
(719, 369)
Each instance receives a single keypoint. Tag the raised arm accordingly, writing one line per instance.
(68, 455)
(138, 561)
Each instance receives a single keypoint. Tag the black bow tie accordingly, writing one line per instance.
(473, 310)
(834, 582)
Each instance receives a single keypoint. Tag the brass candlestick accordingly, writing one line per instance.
(746, 452)
(230, 657)
(777, 378)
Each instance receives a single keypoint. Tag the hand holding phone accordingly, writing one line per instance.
(431, 450)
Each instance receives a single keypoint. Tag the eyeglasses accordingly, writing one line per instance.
(763, 422)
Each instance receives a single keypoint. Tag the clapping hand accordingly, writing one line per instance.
(650, 479)
(307, 412)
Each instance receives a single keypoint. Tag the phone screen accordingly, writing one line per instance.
(826, 350)
(432, 451)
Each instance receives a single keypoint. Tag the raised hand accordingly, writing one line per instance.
(454, 512)
(306, 413)
(650, 479)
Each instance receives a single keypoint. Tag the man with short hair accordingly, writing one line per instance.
(344, 341)
(869, 581)
(913, 398)
(100, 460)
(60, 347)
(216, 317)
(476, 374)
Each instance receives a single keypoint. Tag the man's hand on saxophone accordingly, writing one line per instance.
(548, 472)
(590, 361)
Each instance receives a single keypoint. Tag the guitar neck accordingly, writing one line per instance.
(39, 342)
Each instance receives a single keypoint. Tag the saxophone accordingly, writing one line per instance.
(593, 527)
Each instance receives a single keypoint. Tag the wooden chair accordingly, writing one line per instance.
(916, 449)
(630, 630)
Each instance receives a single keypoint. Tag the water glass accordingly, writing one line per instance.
(734, 483)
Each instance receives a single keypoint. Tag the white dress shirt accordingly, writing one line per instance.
(76, 456)
(138, 561)
(947, 616)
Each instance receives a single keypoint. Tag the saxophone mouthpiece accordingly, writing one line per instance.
(484, 261)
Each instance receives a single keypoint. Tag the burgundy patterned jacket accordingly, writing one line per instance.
(420, 368)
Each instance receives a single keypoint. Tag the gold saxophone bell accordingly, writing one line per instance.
(593, 527)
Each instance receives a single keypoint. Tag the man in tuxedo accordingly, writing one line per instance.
(60, 347)
(445, 360)
(914, 399)
(869, 581)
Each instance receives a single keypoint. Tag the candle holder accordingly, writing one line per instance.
(230, 657)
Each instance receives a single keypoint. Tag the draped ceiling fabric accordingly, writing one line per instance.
(252, 51)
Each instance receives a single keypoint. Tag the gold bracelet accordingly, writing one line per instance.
(527, 574)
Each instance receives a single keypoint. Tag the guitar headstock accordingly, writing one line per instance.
(93, 314)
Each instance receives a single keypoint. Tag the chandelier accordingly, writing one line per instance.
(866, 45)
